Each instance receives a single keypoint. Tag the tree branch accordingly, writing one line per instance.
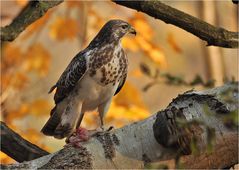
(212, 35)
(198, 119)
(18, 148)
(33, 11)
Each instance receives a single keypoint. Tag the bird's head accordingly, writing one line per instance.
(119, 28)
(114, 30)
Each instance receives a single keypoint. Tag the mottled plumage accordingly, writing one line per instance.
(90, 81)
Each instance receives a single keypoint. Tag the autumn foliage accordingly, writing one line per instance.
(27, 59)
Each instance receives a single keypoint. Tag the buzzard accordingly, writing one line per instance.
(90, 81)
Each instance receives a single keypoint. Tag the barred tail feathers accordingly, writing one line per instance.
(50, 126)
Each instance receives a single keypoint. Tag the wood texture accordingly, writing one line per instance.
(164, 136)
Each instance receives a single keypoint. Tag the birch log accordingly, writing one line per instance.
(189, 120)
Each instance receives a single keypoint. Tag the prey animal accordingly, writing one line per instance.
(90, 81)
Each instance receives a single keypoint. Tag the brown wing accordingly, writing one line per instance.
(72, 74)
(121, 84)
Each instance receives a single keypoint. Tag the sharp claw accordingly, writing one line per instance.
(80, 135)
(101, 128)
(110, 128)
(100, 131)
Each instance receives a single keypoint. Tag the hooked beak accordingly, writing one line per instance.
(132, 30)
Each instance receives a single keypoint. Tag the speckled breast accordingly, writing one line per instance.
(109, 67)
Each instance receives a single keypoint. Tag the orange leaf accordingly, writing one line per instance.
(22, 2)
(5, 159)
(128, 96)
(136, 73)
(17, 113)
(20, 80)
(158, 57)
(143, 43)
(130, 44)
(63, 28)
(12, 55)
(5, 81)
(121, 115)
(40, 107)
(173, 44)
(143, 28)
(38, 59)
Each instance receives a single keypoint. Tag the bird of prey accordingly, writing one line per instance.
(90, 81)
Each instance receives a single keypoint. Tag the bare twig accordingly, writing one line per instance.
(215, 36)
(18, 148)
(33, 11)
(171, 79)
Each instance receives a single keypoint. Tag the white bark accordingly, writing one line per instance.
(159, 137)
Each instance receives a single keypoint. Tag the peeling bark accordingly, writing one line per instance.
(215, 36)
(163, 136)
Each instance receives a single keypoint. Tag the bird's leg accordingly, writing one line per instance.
(102, 109)
(80, 134)
(101, 123)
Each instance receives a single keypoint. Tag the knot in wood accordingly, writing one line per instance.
(169, 133)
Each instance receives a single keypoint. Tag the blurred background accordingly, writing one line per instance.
(164, 61)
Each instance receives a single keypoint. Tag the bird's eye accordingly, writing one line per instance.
(124, 26)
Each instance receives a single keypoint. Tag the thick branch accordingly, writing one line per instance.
(213, 35)
(18, 148)
(33, 11)
(190, 120)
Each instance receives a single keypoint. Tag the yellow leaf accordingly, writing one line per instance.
(5, 81)
(121, 115)
(12, 55)
(130, 44)
(17, 113)
(136, 73)
(118, 114)
(40, 107)
(136, 113)
(19, 80)
(129, 96)
(158, 57)
(63, 28)
(38, 59)
(143, 28)
(144, 44)
(5, 159)
(22, 2)
(173, 44)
